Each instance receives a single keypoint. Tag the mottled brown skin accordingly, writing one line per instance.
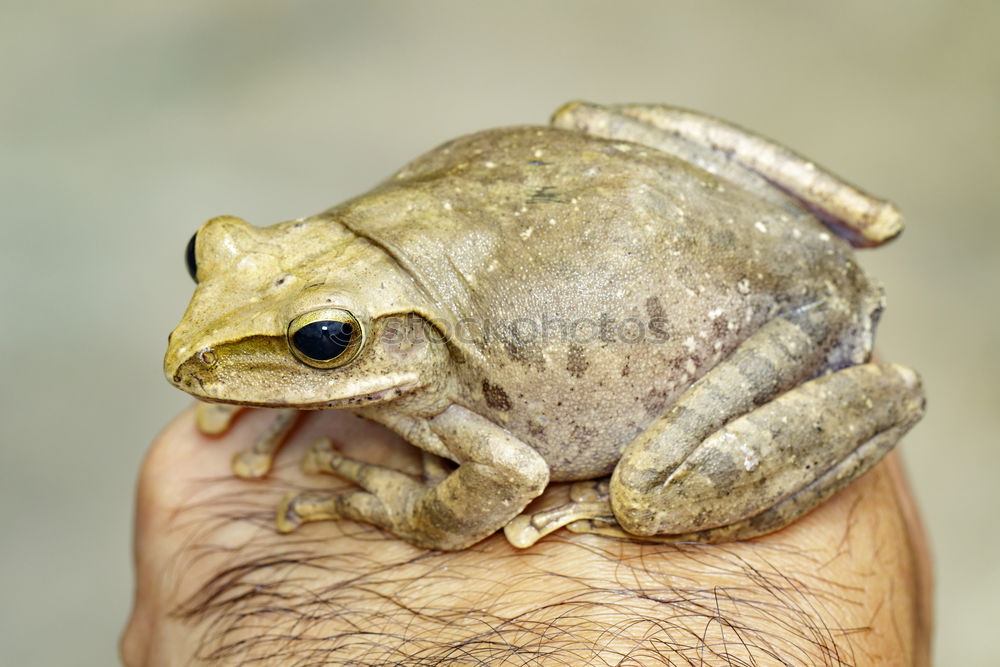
(604, 306)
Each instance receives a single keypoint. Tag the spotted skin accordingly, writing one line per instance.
(636, 292)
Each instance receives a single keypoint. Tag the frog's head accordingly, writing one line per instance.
(303, 314)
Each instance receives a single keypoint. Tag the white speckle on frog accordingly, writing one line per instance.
(714, 313)
(624, 148)
(539, 152)
(823, 236)
(690, 366)
(796, 234)
(446, 205)
(751, 459)
(743, 286)
(490, 165)
(526, 234)
(492, 266)
(690, 344)
(760, 226)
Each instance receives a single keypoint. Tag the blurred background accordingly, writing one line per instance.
(125, 125)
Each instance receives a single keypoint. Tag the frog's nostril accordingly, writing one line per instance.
(207, 357)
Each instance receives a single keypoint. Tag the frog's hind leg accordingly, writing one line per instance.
(770, 466)
(876, 400)
(739, 155)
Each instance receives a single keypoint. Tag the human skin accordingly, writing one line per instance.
(848, 584)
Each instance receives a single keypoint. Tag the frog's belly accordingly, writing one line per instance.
(584, 439)
(582, 408)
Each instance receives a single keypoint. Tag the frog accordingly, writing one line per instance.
(657, 307)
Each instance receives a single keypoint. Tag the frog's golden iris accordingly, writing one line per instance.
(325, 338)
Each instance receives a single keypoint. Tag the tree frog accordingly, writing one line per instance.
(651, 302)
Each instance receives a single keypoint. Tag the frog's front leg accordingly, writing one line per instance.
(497, 476)
(256, 462)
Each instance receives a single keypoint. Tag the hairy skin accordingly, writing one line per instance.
(849, 584)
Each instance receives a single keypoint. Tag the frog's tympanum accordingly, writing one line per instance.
(651, 302)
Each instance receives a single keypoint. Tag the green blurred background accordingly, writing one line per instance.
(125, 125)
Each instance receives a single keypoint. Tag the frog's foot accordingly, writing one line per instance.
(215, 418)
(383, 488)
(257, 461)
(589, 512)
(448, 509)
(744, 158)
(589, 504)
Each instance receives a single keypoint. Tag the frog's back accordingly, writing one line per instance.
(588, 282)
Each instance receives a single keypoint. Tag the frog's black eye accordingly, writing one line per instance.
(189, 258)
(325, 338)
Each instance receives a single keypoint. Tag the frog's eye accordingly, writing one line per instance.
(325, 338)
(189, 258)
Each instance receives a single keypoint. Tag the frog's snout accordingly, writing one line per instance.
(186, 369)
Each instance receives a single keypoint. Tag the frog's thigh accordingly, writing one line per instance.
(770, 466)
(497, 476)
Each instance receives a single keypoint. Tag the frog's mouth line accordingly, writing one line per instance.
(379, 395)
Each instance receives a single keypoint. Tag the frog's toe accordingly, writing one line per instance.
(287, 518)
(297, 509)
(522, 532)
(311, 463)
(250, 464)
(525, 529)
(384, 482)
(215, 418)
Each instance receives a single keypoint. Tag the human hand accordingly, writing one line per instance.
(847, 584)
